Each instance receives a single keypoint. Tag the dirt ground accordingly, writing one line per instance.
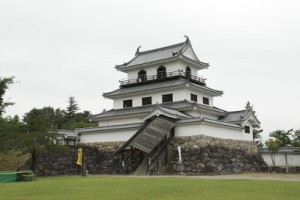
(254, 176)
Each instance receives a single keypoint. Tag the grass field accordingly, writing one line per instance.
(115, 187)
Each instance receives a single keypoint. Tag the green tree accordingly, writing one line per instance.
(273, 146)
(296, 139)
(72, 108)
(9, 130)
(80, 120)
(60, 118)
(4, 84)
(40, 133)
(257, 137)
(283, 136)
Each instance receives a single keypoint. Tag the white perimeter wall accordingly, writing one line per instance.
(292, 159)
(211, 130)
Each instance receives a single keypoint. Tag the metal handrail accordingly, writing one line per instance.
(162, 75)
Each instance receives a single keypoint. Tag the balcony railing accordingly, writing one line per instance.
(162, 76)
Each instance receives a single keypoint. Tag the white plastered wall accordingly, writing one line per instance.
(108, 136)
(211, 130)
(178, 95)
(119, 121)
(170, 67)
(280, 160)
(247, 123)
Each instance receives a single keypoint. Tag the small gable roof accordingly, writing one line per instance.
(241, 116)
(171, 113)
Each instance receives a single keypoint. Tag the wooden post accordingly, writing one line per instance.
(149, 163)
(157, 161)
(131, 168)
(286, 164)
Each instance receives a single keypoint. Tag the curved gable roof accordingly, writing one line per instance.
(159, 54)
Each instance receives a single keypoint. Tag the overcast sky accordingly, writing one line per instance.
(58, 49)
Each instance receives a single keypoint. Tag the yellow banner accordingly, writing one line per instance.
(79, 160)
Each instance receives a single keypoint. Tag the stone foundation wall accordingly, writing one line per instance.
(200, 154)
(99, 158)
(204, 154)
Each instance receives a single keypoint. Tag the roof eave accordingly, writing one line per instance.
(124, 68)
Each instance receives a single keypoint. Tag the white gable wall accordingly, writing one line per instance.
(190, 54)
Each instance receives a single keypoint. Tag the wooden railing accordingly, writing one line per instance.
(162, 75)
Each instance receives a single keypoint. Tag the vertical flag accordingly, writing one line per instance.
(79, 160)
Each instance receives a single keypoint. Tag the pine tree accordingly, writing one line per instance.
(72, 108)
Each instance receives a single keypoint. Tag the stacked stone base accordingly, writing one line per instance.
(200, 155)
(207, 155)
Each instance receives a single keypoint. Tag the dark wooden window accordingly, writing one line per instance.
(142, 76)
(161, 72)
(194, 97)
(206, 100)
(127, 103)
(188, 72)
(167, 98)
(247, 129)
(146, 101)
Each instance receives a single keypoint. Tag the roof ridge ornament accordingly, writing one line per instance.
(187, 38)
(137, 50)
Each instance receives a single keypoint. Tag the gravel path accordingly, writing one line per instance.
(254, 176)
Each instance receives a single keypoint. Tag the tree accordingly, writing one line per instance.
(296, 139)
(9, 129)
(283, 136)
(41, 133)
(4, 83)
(72, 107)
(257, 137)
(80, 120)
(273, 146)
(60, 118)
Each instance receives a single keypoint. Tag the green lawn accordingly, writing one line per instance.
(113, 187)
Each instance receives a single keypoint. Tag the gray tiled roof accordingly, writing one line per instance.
(201, 119)
(174, 112)
(144, 110)
(237, 117)
(281, 150)
(158, 85)
(154, 55)
(164, 53)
